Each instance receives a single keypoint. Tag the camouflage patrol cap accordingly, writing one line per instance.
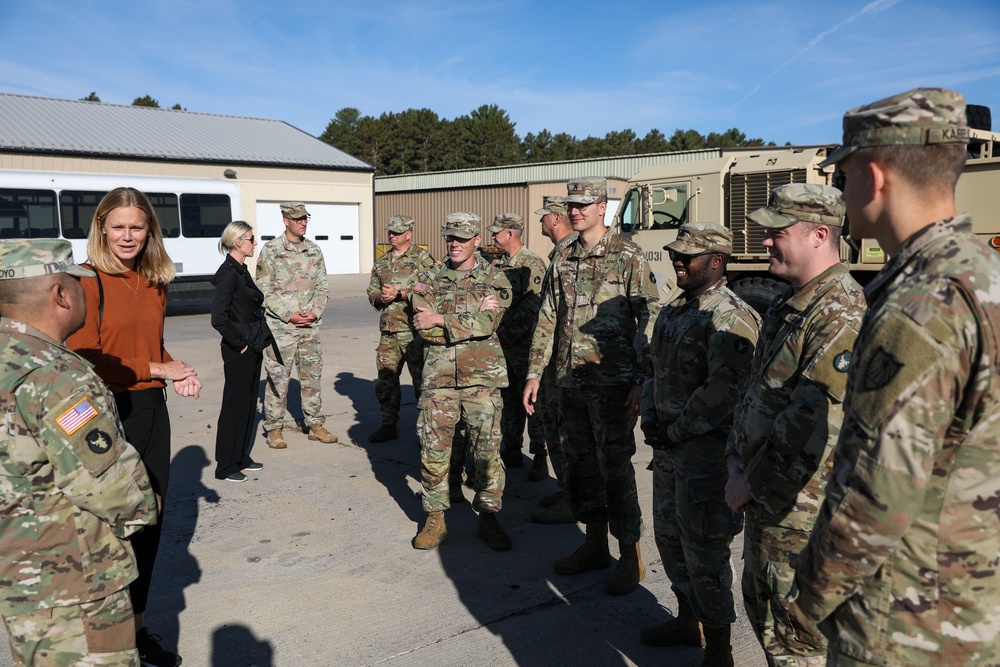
(918, 117)
(400, 224)
(507, 221)
(586, 190)
(295, 210)
(695, 238)
(26, 258)
(554, 205)
(463, 225)
(810, 202)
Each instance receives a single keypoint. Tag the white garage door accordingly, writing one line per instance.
(334, 228)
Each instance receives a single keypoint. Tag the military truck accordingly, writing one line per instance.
(739, 180)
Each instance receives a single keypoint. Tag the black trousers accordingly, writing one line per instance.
(234, 433)
(147, 428)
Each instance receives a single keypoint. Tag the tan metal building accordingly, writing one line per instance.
(269, 160)
(521, 189)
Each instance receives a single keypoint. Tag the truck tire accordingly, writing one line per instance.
(758, 292)
(978, 117)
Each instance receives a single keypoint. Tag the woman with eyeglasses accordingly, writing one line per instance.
(238, 314)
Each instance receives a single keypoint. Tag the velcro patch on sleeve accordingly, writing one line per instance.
(896, 356)
(73, 419)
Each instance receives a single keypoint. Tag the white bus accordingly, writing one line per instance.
(192, 212)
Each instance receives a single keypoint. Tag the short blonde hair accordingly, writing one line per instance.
(152, 262)
(233, 231)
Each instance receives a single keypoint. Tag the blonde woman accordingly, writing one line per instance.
(123, 338)
(238, 314)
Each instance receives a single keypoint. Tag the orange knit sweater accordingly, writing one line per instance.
(130, 334)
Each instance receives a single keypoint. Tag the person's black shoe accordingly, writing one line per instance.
(254, 466)
(237, 477)
(151, 654)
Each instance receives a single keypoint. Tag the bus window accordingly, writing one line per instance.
(165, 207)
(205, 216)
(78, 208)
(669, 207)
(28, 214)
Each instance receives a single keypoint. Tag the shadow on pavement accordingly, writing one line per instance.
(236, 646)
(176, 567)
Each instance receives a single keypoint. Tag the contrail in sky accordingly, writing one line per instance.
(872, 7)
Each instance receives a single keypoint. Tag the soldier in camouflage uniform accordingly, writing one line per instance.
(702, 345)
(393, 277)
(596, 320)
(902, 564)
(556, 507)
(71, 489)
(524, 270)
(291, 273)
(786, 424)
(464, 371)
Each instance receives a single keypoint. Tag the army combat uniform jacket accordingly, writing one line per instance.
(597, 316)
(71, 488)
(785, 426)
(903, 561)
(292, 277)
(402, 273)
(701, 349)
(524, 270)
(465, 352)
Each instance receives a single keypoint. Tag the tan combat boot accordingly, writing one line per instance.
(682, 629)
(432, 533)
(593, 555)
(560, 512)
(319, 432)
(629, 573)
(275, 440)
(489, 529)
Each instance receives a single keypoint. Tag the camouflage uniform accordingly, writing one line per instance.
(293, 278)
(784, 429)
(72, 489)
(397, 343)
(901, 567)
(548, 390)
(595, 322)
(524, 270)
(464, 371)
(701, 350)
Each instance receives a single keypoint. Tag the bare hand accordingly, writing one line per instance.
(530, 396)
(738, 494)
(655, 435)
(245, 348)
(489, 302)
(424, 318)
(171, 370)
(189, 386)
(633, 402)
(388, 294)
(303, 318)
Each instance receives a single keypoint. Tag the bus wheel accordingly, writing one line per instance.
(758, 292)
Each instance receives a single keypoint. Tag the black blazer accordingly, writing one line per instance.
(238, 308)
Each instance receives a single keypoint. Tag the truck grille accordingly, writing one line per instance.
(747, 193)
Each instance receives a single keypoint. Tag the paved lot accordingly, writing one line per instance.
(311, 563)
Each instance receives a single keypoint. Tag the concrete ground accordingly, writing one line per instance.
(311, 563)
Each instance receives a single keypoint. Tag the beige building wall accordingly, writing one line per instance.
(429, 208)
(256, 184)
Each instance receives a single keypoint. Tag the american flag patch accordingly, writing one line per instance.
(76, 416)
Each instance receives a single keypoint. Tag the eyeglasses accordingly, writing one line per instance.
(251, 239)
(686, 259)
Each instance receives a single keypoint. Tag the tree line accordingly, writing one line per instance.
(144, 101)
(418, 140)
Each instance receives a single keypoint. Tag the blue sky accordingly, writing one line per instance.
(780, 70)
